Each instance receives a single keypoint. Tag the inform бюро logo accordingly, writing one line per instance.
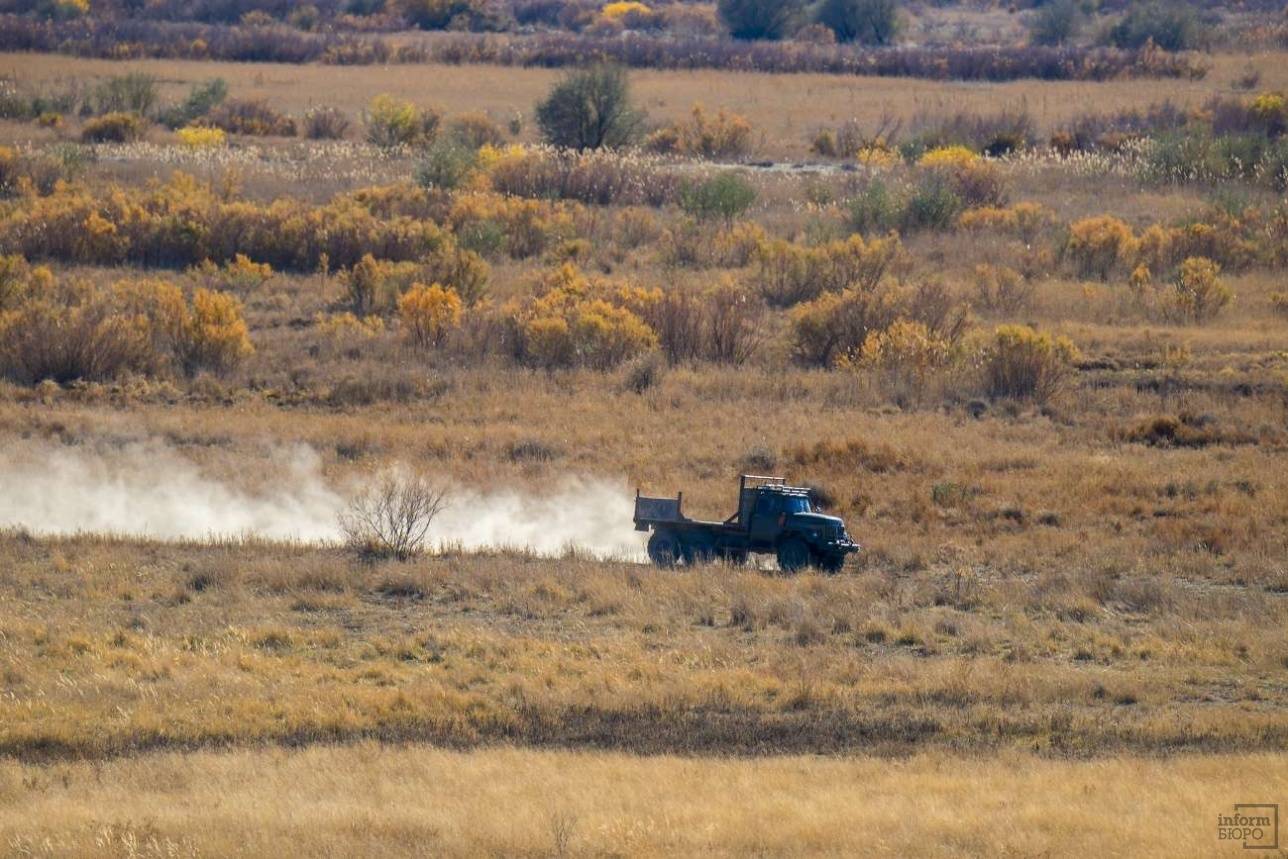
(1256, 826)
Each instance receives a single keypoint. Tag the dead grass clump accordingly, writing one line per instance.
(1184, 430)
(324, 123)
(852, 454)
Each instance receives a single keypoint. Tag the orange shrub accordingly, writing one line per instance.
(1100, 245)
(579, 321)
(428, 313)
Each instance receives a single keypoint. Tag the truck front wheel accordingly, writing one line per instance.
(793, 555)
(663, 549)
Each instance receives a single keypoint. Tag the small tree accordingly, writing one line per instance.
(872, 22)
(590, 109)
(1056, 22)
(759, 19)
(391, 519)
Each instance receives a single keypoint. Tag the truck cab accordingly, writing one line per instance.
(772, 518)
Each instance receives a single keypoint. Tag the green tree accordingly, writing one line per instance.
(872, 22)
(759, 19)
(1056, 23)
(590, 109)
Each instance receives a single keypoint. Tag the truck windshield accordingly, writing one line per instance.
(796, 504)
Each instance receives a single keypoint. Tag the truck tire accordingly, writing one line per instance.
(831, 564)
(664, 549)
(793, 555)
(697, 550)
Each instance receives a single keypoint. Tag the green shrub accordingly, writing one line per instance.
(446, 165)
(202, 99)
(871, 22)
(114, 128)
(875, 209)
(135, 92)
(590, 109)
(1172, 26)
(760, 19)
(932, 205)
(725, 196)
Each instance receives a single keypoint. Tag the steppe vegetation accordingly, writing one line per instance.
(1029, 336)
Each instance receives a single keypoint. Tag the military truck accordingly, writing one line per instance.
(772, 518)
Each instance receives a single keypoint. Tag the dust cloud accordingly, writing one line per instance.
(149, 489)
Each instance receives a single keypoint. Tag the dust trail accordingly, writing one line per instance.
(150, 490)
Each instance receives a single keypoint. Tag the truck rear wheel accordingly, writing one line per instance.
(793, 555)
(663, 549)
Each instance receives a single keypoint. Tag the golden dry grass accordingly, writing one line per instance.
(1050, 620)
(784, 109)
(115, 647)
(401, 801)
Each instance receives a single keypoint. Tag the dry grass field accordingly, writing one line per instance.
(785, 109)
(415, 801)
(1047, 390)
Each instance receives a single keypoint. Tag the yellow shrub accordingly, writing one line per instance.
(428, 313)
(623, 8)
(576, 320)
(392, 122)
(1024, 220)
(1023, 363)
(1198, 293)
(18, 281)
(217, 337)
(1001, 289)
(704, 135)
(241, 273)
(201, 137)
(1270, 107)
(341, 326)
(75, 330)
(790, 273)
(948, 157)
(904, 347)
(877, 156)
(1100, 245)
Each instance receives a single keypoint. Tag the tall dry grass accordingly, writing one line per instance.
(401, 801)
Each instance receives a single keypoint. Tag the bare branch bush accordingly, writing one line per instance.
(392, 518)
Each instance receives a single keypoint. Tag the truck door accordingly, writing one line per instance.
(765, 525)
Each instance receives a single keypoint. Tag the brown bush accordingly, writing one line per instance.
(475, 130)
(324, 123)
(114, 128)
(254, 117)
